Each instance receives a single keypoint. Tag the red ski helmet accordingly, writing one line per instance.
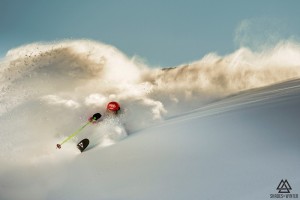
(113, 106)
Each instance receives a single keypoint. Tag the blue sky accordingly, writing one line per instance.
(164, 33)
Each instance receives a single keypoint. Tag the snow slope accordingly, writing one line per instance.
(207, 130)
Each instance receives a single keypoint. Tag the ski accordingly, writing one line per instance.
(82, 145)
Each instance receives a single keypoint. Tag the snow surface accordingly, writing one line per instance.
(219, 128)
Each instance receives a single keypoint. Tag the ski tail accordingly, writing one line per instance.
(82, 145)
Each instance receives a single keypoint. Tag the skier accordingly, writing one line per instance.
(112, 108)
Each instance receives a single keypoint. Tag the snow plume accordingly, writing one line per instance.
(213, 77)
(49, 89)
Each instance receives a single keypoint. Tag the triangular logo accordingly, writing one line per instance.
(284, 187)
